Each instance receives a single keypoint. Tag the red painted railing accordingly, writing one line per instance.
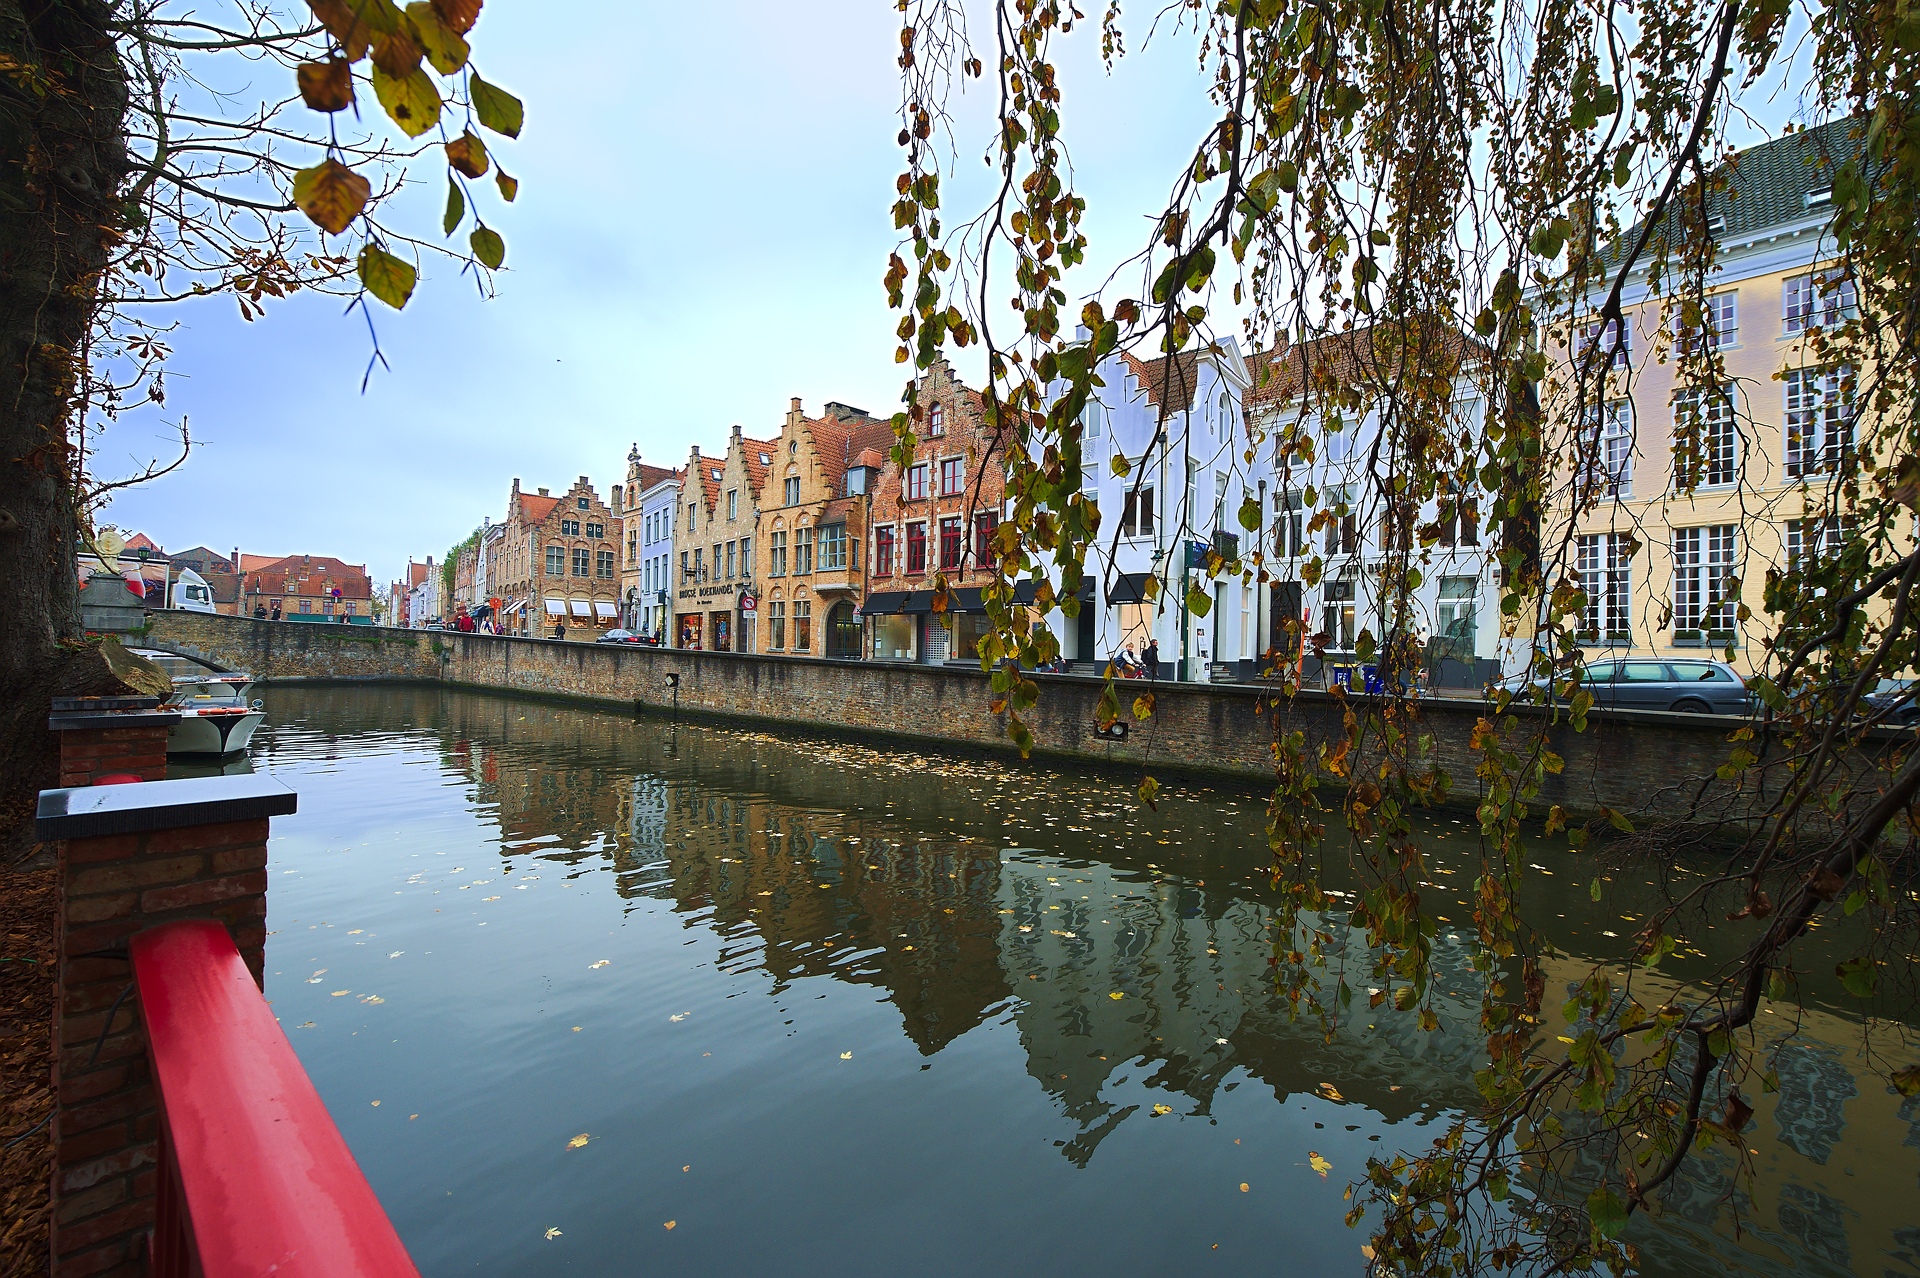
(254, 1177)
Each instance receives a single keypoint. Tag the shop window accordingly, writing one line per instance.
(893, 638)
(802, 625)
(969, 628)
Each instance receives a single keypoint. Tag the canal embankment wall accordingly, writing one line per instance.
(1655, 768)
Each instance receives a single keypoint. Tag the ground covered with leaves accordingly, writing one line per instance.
(27, 920)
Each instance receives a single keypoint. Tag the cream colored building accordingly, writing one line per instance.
(1667, 571)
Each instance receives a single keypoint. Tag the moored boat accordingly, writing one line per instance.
(217, 716)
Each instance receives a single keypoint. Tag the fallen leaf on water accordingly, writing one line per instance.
(680, 1016)
(576, 1029)
(341, 993)
(376, 1104)
(846, 1056)
(552, 1233)
(578, 1142)
(1319, 1164)
(371, 998)
(356, 931)
(1243, 1186)
(1116, 995)
(688, 1167)
(411, 1117)
(1331, 1092)
(671, 1223)
(601, 963)
(1026, 927)
(396, 954)
(1162, 1109)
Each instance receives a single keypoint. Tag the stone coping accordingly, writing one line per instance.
(94, 811)
(69, 721)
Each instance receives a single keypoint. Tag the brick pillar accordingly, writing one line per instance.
(104, 736)
(132, 857)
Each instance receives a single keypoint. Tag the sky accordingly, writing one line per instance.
(701, 232)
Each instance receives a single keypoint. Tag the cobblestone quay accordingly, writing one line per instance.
(1658, 768)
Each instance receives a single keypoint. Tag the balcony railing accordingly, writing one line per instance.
(254, 1178)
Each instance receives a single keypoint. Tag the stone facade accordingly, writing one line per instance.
(631, 509)
(813, 529)
(560, 562)
(309, 586)
(932, 528)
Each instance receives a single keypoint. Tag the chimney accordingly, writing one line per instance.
(544, 493)
(844, 412)
(516, 484)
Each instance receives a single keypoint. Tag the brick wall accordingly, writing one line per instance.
(1657, 768)
(106, 1123)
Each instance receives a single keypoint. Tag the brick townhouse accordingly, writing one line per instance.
(932, 524)
(716, 599)
(559, 562)
(309, 588)
(814, 506)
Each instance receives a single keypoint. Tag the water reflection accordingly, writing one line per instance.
(1126, 953)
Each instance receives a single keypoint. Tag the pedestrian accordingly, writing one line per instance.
(276, 611)
(259, 612)
(1153, 659)
(560, 632)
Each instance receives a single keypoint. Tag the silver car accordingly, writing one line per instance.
(1647, 683)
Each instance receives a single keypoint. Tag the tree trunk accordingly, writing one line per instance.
(63, 159)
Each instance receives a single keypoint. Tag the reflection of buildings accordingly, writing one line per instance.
(924, 900)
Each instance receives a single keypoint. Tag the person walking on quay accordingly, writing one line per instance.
(275, 616)
(560, 632)
(259, 612)
(1153, 659)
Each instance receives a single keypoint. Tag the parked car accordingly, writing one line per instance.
(1636, 683)
(1898, 699)
(624, 636)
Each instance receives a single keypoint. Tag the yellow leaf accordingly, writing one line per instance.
(1162, 1109)
(1331, 1092)
(552, 1234)
(601, 963)
(389, 279)
(1243, 1186)
(671, 1223)
(1319, 1164)
(443, 45)
(846, 1056)
(331, 194)
(326, 86)
(341, 993)
(410, 101)
(376, 1104)
(1116, 994)
(578, 1142)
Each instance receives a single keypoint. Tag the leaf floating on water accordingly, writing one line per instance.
(1162, 1109)
(601, 963)
(376, 1104)
(1243, 1186)
(341, 993)
(680, 1016)
(1331, 1092)
(371, 999)
(552, 1233)
(1319, 1164)
(670, 1224)
(396, 954)
(578, 1142)
(846, 1056)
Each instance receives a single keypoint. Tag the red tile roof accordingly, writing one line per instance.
(310, 575)
(1365, 357)
(534, 508)
(1170, 379)
(751, 451)
(651, 475)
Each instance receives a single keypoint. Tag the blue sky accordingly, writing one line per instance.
(701, 232)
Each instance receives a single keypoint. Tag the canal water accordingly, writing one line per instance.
(608, 996)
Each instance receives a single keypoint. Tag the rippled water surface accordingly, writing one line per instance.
(599, 995)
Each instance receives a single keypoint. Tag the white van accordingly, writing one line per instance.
(191, 593)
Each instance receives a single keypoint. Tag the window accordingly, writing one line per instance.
(1818, 299)
(569, 528)
(1703, 440)
(633, 547)
(1607, 466)
(348, 605)
(1226, 414)
(1809, 539)
(596, 530)
(732, 548)
(686, 573)
(883, 552)
(776, 625)
(603, 563)
(833, 547)
(1702, 580)
(1459, 521)
(306, 605)
(746, 557)
(1290, 528)
(792, 492)
(1606, 579)
(1136, 513)
(777, 555)
(1219, 500)
(1095, 417)
(582, 501)
(913, 486)
(1454, 621)
(916, 549)
(699, 569)
(936, 420)
(1343, 530)
(1613, 340)
(953, 476)
(733, 503)
(802, 554)
(802, 626)
(1338, 615)
(983, 528)
(556, 561)
(1717, 329)
(1819, 418)
(715, 561)
(950, 543)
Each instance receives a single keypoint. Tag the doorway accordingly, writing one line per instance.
(843, 632)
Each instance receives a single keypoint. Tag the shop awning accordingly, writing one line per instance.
(556, 607)
(966, 599)
(920, 601)
(886, 603)
(1129, 588)
(604, 609)
(581, 608)
(518, 605)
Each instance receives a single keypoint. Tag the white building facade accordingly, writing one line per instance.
(658, 506)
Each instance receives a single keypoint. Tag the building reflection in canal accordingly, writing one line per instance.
(1125, 948)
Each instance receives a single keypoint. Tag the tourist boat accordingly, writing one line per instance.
(216, 716)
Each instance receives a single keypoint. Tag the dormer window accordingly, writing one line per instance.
(1716, 224)
(583, 503)
(1820, 196)
(766, 459)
